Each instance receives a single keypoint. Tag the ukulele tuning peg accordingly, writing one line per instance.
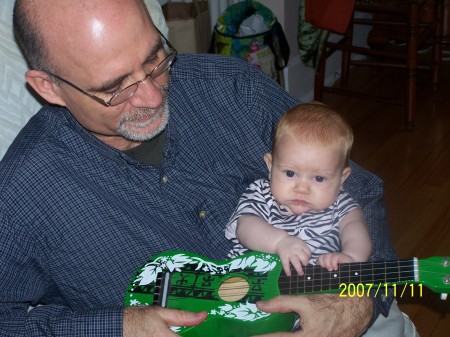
(445, 261)
(446, 281)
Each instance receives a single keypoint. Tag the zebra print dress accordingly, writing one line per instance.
(319, 229)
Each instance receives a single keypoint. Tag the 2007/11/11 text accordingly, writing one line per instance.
(364, 289)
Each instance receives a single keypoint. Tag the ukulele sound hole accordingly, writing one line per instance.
(233, 289)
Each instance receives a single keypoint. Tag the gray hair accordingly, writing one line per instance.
(28, 36)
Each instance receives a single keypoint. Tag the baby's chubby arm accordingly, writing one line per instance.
(355, 242)
(257, 234)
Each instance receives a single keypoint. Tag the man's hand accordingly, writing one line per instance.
(155, 321)
(326, 315)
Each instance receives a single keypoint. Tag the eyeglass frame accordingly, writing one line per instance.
(170, 56)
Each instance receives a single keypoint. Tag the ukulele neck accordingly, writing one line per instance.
(317, 279)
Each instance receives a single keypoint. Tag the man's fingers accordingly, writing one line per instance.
(182, 318)
(278, 334)
(283, 304)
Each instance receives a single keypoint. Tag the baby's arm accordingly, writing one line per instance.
(257, 234)
(355, 242)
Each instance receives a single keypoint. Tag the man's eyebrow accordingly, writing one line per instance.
(110, 84)
(154, 50)
(114, 83)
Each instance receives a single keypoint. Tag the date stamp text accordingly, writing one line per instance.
(370, 289)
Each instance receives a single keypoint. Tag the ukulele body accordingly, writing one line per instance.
(226, 290)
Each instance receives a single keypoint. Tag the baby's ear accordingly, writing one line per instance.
(268, 160)
(44, 86)
(345, 173)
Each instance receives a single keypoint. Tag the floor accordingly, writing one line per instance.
(415, 166)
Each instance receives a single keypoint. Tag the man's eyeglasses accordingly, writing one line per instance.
(128, 92)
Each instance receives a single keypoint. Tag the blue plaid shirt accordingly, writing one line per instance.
(78, 217)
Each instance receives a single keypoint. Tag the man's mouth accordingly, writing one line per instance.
(141, 116)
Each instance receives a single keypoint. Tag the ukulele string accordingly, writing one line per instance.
(317, 274)
(239, 291)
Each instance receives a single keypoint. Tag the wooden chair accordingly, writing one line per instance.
(411, 22)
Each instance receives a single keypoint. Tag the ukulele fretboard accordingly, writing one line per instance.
(318, 279)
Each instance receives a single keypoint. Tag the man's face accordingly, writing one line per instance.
(305, 177)
(105, 61)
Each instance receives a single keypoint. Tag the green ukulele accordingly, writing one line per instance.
(228, 290)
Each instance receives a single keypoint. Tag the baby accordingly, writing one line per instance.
(302, 212)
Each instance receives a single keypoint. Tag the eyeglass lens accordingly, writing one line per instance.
(128, 92)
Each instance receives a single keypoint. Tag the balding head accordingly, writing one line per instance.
(53, 32)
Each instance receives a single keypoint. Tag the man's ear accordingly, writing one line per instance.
(44, 86)
(268, 160)
(345, 174)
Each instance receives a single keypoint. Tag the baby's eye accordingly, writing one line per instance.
(319, 179)
(290, 173)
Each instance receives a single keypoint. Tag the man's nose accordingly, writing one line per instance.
(148, 94)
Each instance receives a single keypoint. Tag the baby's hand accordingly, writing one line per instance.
(293, 250)
(332, 260)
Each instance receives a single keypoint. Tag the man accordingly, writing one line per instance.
(132, 159)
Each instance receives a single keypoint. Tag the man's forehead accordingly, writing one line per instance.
(96, 36)
(70, 20)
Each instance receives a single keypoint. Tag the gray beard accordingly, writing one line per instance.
(161, 112)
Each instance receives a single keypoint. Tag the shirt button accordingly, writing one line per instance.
(383, 298)
(164, 179)
(202, 215)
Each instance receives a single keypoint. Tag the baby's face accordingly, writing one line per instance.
(306, 177)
